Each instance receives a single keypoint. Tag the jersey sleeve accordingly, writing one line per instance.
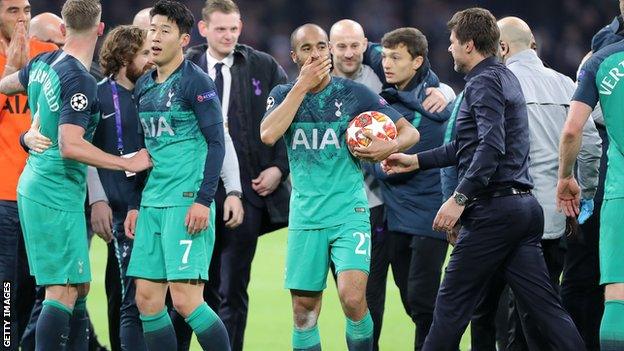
(203, 98)
(276, 97)
(586, 90)
(372, 102)
(23, 74)
(78, 99)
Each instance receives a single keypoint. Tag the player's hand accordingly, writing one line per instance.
(435, 102)
(17, 50)
(102, 220)
(378, 149)
(568, 196)
(233, 211)
(451, 235)
(139, 162)
(400, 163)
(34, 139)
(447, 216)
(197, 218)
(267, 181)
(130, 223)
(313, 71)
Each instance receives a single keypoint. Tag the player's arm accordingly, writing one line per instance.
(11, 85)
(280, 156)
(77, 101)
(279, 116)
(588, 160)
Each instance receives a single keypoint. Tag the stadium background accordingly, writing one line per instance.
(563, 31)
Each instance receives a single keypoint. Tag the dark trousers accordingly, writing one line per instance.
(229, 275)
(416, 263)
(15, 274)
(123, 312)
(581, 293)
(500, 234)
(520, 331)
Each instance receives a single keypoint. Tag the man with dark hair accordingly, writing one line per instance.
(493, 196)
(333, 224)
(180, 114)
(63, 97)
(124, 58)
(257, 202)
(417, 251)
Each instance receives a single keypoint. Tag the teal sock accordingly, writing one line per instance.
(209, 328)
(306, 339)
(158, 332)
(360, 334)
(612, 326)
(52, 328)
(79, 326)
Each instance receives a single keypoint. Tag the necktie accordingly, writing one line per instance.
(219, 80)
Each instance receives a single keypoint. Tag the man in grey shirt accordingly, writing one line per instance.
(547, 94)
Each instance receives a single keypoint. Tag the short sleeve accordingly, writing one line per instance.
(23, 74)
(203, 99)
(373, 102)
(78, 98)
(586, 90)
(276, 97)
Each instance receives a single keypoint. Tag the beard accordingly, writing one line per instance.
(133, 73)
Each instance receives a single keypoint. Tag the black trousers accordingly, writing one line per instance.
(500, 234)
(520, 331)
(229, 275)
(416, 263)
(15, 274)
(581, 293)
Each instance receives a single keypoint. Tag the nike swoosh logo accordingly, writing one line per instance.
(183, 268)
(108, 115)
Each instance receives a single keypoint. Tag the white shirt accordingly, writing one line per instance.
(228, 61)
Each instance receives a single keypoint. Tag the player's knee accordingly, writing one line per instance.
(83, 289)
(148, 303)
(65, 294)
(305, 319)
(184, 306)
(352, 299)
(614, 291)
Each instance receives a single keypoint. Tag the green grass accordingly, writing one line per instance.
(270, 323)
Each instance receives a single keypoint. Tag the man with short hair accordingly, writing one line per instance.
(63, 97)
(493, 195)
(15, 119)
(312, 115)
(257, 202)
(181, 121)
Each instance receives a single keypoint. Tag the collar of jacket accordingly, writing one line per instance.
(528, 56)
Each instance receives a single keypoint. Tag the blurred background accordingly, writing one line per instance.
(563, 28)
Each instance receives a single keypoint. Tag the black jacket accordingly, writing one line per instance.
(254, 74)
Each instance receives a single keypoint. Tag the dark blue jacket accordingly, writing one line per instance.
(413, 199)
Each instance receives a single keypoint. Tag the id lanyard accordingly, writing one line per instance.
(120, 146)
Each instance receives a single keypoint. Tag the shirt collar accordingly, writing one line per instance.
(528, 56)
(228, 60)
(481, 66)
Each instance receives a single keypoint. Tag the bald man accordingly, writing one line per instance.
(339, 229)
(547, 94)
(47, 27)
(142, 18)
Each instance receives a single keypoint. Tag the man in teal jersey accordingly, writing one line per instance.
(183, 128)
(599, 81)
(329, 217)
(51, 190)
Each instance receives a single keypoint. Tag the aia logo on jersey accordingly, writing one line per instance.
(154, 128)
(310, 141)
(209, 95)
(16, 104)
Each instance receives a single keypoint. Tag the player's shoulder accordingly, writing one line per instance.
(351, 86)
(193, 74)
(597, 58)
(282, 89)
(143, 81)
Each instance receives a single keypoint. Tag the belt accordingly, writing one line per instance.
(501, 193)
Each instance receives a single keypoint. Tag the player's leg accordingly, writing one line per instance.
(307, 264)
(350, 252)
(612, 274)
(147, 266)
(79, 322)
(306, 310)
(187, 260)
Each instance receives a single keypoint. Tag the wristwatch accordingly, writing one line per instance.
(236, 193)
(460, 199)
